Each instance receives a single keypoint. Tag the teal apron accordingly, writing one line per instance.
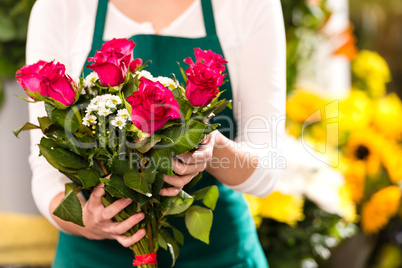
(233, 238)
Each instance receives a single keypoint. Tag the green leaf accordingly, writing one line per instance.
(171, 245)
(161, 241)
(208, 196)
(177, 204)
(199, 222)
(178, 236)
(147, 144)
(117, 183)
(113, 192)
(185, 137)
(72, 187)
(157, 185)
(70, 209)
(88, 177)
(182, 73)
(67, 119)
(47, 153)
(139, 181)
(73, 177)
(46, 125)
(162, 160)
(67, 158)
(119, 166)
(26, 126)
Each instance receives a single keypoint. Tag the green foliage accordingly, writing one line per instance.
(312, 239)
(14, 17)
(199, 222)
(70, 209)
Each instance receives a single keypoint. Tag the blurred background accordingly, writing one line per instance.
(339, 201)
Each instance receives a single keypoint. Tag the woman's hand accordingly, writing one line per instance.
(98, 220)
(188, 165)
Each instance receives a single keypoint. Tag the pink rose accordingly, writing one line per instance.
(202, 84)
(152, 106)
(208, 58)
(43, 80)
(112, 62)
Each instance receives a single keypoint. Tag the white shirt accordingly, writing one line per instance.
(252, 37)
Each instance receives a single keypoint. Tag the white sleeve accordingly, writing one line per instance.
(46, 41)
(260, 100)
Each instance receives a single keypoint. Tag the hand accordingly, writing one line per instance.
(98, 219)
(188, 165)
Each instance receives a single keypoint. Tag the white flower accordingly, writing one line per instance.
(166, 81)
(123, 113)
(103, 111)
(145, 74)
(89, 119)
(110, 101)
(119, 122)
(90, 79)
(83, 92)
(306, 174)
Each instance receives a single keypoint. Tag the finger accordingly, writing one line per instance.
(203, 154)
(181, 168)
(171, 191)
(110, 211)
(94, 200)
(179, 181)
(127, 241)
(124, 226)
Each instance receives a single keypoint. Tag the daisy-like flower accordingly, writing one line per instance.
(119, 122)
(145, 74)
(88, 120)
(103, 111)
(166, 81)
(123, 113)
(90, 79)
(110, 101)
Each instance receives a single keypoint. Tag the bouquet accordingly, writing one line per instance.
(122, 126)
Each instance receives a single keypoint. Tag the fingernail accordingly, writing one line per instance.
(141, 215)
(198, 154)
(127, 200)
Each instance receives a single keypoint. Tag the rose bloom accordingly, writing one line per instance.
(112, 62)
(202, 84)
(152, 106)
(208, 58)
(47, 79)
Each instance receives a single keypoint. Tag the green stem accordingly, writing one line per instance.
(102, 166)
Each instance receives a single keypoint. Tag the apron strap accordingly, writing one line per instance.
(207, 10)
(97, 39)
(209, 20)
(100, 22)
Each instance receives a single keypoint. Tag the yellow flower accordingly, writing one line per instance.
(347, 207)
(372, 70)
(254, 205)
(391, 156)
(387, 116)
(365, 145)
(355, 176)
(302, 106)
(355, 111)
(283, 208)
(382, 206)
